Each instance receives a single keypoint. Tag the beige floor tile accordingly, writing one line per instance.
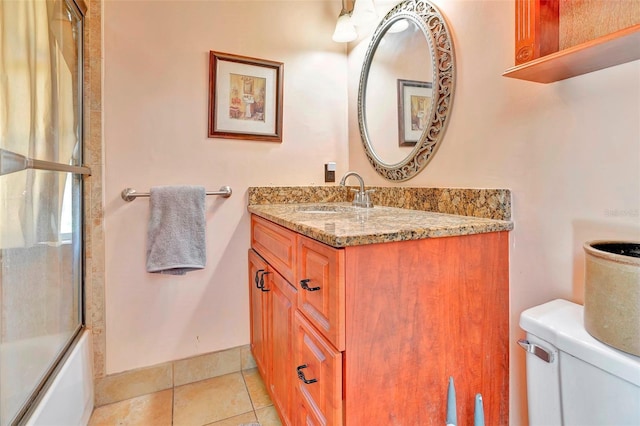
(210, 400)
(257, 389)
(151, 409)
(268, 416)
(245, 418)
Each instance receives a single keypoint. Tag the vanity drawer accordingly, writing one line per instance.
(319, 399)
(277, 245)
(321, 292)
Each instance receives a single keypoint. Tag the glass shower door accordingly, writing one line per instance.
(41, 249)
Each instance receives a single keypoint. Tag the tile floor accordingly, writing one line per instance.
(229, 400)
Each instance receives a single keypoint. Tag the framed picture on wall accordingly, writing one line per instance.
(414, 106)
(245, 97)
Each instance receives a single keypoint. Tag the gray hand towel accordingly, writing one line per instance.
(176, 234)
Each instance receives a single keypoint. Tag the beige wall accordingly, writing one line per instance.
(569, 151)
(155, 127)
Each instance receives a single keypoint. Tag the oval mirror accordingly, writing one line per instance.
(406, 89)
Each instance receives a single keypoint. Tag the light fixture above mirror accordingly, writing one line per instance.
(345, 30)
(363, 14)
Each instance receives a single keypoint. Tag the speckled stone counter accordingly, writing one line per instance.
(342, 225)
(485, 203)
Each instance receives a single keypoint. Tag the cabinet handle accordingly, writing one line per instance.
(301, 375)
(261, 287)
(257, 279)
(305, 285)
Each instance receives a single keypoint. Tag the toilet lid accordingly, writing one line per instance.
(560, 323)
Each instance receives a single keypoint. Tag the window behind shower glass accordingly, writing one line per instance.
(40, 211)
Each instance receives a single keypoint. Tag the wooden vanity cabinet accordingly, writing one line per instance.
(389, 324)
(319, 384)
(418, 312)
(321, 288)
(283, 308)
(259, 313)
(273, 305)
(276, 245)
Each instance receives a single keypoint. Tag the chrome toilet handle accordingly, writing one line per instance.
(542, 353)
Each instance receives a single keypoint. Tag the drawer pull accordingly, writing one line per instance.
(301, 375)
(305, 285)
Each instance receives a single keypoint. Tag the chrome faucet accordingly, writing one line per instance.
(362, 198)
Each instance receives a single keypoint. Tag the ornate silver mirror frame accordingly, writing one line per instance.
(434, 27)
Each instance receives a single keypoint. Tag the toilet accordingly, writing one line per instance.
(572, 378)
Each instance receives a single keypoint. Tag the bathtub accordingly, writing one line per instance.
(69, 399)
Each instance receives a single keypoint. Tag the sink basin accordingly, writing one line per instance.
(612, 293)
(320, 209)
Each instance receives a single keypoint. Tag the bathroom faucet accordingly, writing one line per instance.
(362, 198)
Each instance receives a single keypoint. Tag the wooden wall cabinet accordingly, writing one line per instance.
(537, 29)
(376, 330)
(540, 57)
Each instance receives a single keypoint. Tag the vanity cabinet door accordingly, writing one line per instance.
(283, 307)
(276, 244)
(306, 414)
(320, 282)
(259, 313)
(319, 377)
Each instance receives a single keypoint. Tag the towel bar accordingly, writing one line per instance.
(130, 194)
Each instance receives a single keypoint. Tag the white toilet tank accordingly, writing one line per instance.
(572, 378)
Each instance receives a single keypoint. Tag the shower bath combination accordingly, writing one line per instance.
(45, 351)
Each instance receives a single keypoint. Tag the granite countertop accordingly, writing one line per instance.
(342, 225)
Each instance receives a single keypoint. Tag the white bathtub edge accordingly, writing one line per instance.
(69, 399)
